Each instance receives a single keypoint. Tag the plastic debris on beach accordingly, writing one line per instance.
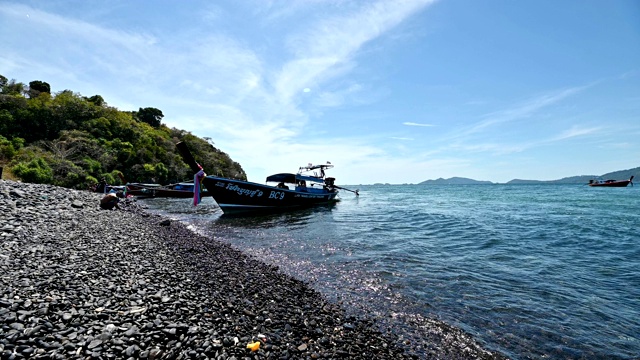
(254, 346)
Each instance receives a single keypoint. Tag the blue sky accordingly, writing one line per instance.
(388, 91)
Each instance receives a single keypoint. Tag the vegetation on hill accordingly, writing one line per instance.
(69, 140)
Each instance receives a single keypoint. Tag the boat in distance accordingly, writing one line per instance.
(611, 183)
(280, 192)
(179, 190)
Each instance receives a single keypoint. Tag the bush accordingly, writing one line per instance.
(35, 171)
(7, 150)
(90, 182)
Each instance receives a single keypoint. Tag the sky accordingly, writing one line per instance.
(387, 91)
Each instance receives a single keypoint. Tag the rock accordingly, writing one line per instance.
(17, 326)
(17, 193)
(94, 344)
(155, 354)
(84, 285)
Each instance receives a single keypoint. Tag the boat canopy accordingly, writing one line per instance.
(292, 178)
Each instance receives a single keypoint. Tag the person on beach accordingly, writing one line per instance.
(110, 200)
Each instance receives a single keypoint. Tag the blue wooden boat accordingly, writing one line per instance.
(280, 192)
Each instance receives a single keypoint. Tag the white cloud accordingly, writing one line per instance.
(576, 131)
(416, 124)
(525, 109)
(334, 41)
(401, 138)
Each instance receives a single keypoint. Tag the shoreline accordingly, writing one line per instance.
(81, 282)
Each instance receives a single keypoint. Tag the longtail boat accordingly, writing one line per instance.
(611, 183)
(281, 191)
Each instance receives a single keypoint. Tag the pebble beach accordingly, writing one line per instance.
(79, 282)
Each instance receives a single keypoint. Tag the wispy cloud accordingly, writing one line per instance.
(336, 98)
(478, 137)
(416, 124)
(576, 131)
(328, 47)
(401, 138)
(524, 110)
(493, 148)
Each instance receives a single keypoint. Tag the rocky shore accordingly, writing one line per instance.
(78, 282)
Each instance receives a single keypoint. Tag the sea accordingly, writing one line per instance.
(531, 271)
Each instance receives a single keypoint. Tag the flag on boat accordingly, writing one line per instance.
(197, 179)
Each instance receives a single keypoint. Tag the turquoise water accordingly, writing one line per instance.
(532, 271)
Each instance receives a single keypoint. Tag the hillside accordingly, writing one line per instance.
(69, 140)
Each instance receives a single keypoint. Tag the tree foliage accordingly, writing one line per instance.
(37, 87)
(35, 171)
(70, 140)
(10, 87)
(151, 116)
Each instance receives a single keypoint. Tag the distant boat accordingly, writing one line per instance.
(611, 183)
(178, 190)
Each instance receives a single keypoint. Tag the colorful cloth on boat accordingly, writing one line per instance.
(197, 179)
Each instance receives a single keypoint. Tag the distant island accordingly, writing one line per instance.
(454, 181)
(580, 179)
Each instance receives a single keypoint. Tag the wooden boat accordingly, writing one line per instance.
(290, 190)
(178, 190)
(237, 195)
(611, 183)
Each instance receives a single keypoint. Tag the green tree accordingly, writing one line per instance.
(36, 87)
(12, 87)
(151, 116)
(72, 110)
(67, 174)
(161, 172)
(6, 123)
(97, 100)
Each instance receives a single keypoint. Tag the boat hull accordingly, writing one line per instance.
(237, 195)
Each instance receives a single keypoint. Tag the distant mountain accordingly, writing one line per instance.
(584, 179)
(454, 181)
(581, 179)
